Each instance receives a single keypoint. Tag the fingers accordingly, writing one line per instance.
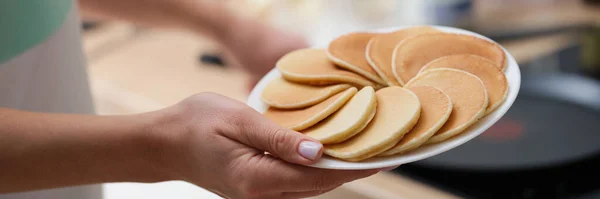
(296, 178)
(327, 179)
(306, 194)
(269, 176)
(261, 133)
(277, 177)
(389, 168)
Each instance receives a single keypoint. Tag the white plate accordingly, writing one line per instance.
(513, 76)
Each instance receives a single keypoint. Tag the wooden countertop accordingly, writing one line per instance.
(144, 70)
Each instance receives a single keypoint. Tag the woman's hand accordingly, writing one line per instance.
(257, 47)
(275, 44)
(219, 143)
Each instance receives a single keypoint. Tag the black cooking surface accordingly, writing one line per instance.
(536, 131)
(546, 146)
(564, 181)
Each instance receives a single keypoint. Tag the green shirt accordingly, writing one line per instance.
(25, 23)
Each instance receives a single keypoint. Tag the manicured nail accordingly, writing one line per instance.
(309, 150)
(389, 168)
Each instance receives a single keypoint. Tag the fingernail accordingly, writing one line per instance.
(309, 150)
(389, 168)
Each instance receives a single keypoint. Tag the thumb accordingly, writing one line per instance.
(291, 146)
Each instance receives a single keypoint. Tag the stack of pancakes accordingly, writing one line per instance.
(384, 94)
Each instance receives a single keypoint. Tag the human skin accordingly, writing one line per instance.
(255, 47)
(207, 139)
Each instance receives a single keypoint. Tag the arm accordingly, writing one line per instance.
(254, 45)
(40, 150)
(209, 140)
(208, 17)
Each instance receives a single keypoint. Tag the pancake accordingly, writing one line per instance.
(312, 66)
(300, 119)
(348, 121)
(412, 54)
(468, 95)
(348, 52)
(493, 78)
(436, 107)
(381, 49)
(397, 111)
(283, 94)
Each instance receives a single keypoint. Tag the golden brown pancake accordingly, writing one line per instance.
(436, 107)
(348, 52)
(397, 111)
(312, 66)
(468, 95)
(412, 54)
(493, 78)
(283, 94)
(348, 121)
(300, 119)
(381, 47)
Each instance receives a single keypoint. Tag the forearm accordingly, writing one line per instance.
(255, 46)
(53, 150)
(210, 17)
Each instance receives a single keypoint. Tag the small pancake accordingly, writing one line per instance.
(312, 66)
(283, 94)
(412, 54)
(300, 119)
(348, 121)
(468, 94)
(397, 111)
(348, 52)
(380, 50)
(436, 107)
(493, 78)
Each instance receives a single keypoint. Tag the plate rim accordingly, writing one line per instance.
(475, 130)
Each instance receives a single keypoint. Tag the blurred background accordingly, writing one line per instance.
(547, 146)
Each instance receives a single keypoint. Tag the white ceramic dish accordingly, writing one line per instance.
(513, 76)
